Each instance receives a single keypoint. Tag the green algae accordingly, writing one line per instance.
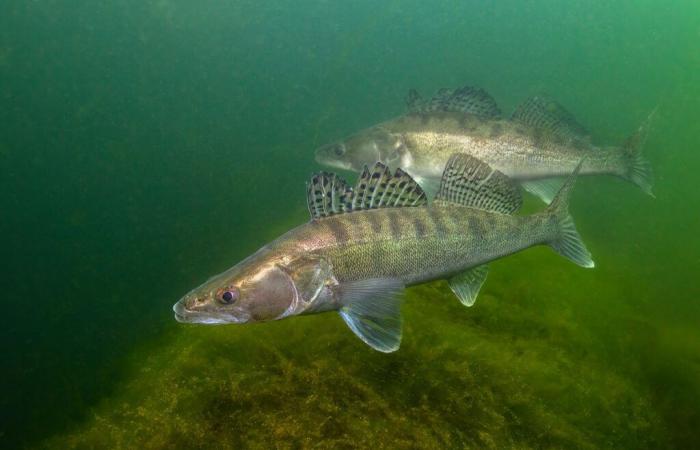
(145, 145)
(528, 366)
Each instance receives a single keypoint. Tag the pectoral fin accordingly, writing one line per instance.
(466, 285)
(372, 310)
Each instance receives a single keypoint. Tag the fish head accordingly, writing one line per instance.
(256, 290)
(364, 149)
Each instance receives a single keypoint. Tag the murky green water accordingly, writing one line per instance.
(146, 145)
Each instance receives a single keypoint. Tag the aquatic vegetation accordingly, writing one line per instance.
(364, 245)
(525, 367)
(147, 145)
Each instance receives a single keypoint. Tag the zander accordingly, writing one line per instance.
(364, 245)
(539, 144)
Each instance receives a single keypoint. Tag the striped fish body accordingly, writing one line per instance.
(519, 151)
(415, 245)
(365, 244)
(539, 143)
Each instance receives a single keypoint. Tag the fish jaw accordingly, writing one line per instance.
(185, 315)
(322, 155)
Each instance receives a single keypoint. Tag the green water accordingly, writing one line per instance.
(147, 145)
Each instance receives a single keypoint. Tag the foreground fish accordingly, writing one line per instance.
(540, 143)
(364, 245)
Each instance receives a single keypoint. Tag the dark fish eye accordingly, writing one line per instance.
(229, 296)
(339, 150)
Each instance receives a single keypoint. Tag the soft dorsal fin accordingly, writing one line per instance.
(466, 99)
(546, 114)
(328, 194)
(471, 182)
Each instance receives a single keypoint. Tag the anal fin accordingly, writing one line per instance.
(372, 310)
(467, 284)
(546, 189)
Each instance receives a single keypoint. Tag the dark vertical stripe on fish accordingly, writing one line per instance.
(455, 215)
(374, 222)
(338, 230)
(476, 227)
(420, 227)
(394, 225)
(437, 219)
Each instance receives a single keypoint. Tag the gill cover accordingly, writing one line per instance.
(366, 147)
(308, 276)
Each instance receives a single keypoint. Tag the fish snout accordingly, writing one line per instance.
(187, 306)
(180, 312)
(330, 152)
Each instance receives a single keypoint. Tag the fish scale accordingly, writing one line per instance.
(538, 145)
(357, 255)
(446, 238)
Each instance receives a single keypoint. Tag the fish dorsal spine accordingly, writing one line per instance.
(468, 181)
(327, 194)
(466, 99)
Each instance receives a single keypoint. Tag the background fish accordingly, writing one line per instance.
(540, 143)
(364, 245)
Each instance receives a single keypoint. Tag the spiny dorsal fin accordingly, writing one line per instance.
(465, 99)
(546, 114)
(471, 182)
(413, 100)
(328, 194)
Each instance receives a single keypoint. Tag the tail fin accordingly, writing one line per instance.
(568, 242)
(638, 168)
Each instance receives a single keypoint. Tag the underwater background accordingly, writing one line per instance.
(147, 145)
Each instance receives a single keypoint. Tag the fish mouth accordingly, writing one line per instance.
(184, 315)
(334, 163)
(323, 155)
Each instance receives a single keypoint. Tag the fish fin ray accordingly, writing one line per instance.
(546, 114)
(371, 308)
(639, 169)
(430, 185)
(466, 99)
(466, 285)
(328, 195)
(546, 189)
(414, 100)
(567, 242)
(468, 181)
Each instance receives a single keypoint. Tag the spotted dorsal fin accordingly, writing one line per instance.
(328, 194)
(546, 114)
(468, 181)
(466, 99)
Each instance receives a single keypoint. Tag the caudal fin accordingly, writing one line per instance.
(567, 242)
(638, 168)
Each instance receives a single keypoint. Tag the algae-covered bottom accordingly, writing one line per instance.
(537, 362)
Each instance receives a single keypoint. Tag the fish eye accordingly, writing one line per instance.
(339, 150)
(229, 296)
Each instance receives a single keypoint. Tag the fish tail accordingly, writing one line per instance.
(637, 167)
(566, 241)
